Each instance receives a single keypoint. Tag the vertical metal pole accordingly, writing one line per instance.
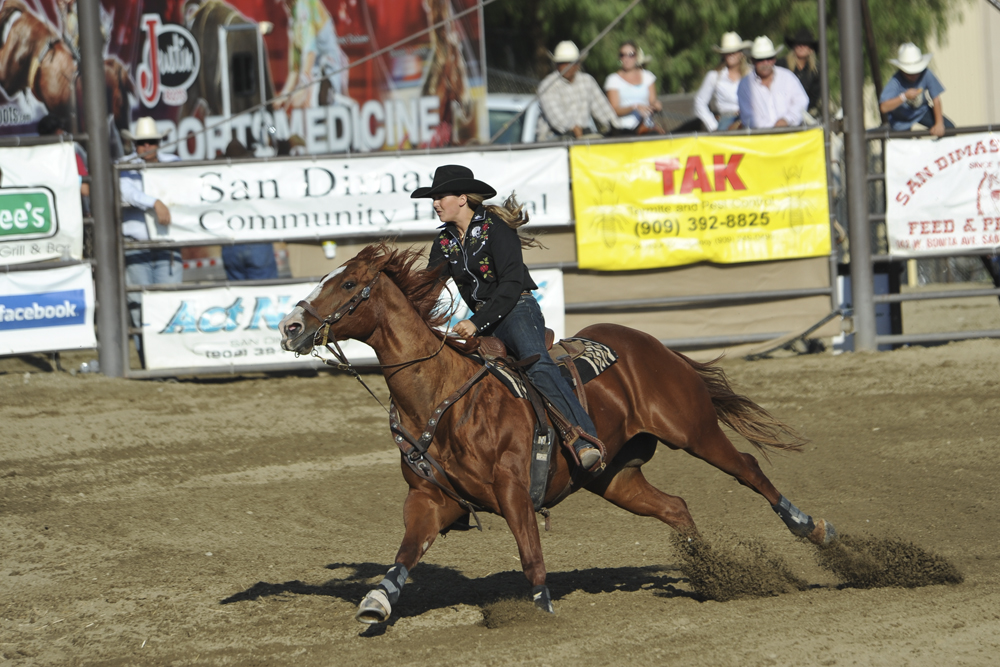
(824, 101)
(874, 64)
(106, 236)
(852, 82)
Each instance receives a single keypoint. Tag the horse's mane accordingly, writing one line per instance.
(420, 286)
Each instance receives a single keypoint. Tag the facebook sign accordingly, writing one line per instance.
(49, 309)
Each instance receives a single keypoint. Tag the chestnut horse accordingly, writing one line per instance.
(483, 442)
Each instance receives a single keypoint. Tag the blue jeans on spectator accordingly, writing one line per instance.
(726, 121)
(523, 332)
(249, 261)
(927, 120)
(149, 267)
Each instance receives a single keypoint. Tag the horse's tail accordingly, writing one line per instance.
(739, 413)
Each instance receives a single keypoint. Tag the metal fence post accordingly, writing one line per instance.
(109, 297)
(856, 149)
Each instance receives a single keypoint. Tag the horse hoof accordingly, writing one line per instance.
(375, 608)
(540, 596)
(823, 534)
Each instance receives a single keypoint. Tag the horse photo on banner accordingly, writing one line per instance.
(726, 199)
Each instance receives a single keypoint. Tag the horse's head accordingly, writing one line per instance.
(339, 301)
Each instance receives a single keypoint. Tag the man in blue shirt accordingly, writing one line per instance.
(910, 93)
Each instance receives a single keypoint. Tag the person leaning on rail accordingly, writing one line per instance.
(770, 96)
(569, 98)
(149, 266)
(718, 89)
(481, 251)
(906, 96)
(632, 91)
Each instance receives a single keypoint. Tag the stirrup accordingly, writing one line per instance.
(591, 443)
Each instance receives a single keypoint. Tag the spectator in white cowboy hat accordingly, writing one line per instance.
(148, 266)
(905, 96)
(716, 103)
(770, 96)
(570, 99)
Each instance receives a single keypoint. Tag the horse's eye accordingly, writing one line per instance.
(349, 285)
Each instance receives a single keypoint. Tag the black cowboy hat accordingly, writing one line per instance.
(802, 36)
(453, 179)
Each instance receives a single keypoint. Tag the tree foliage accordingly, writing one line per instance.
(678, 34)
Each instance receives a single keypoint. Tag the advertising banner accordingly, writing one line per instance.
(238, 326)
(196, 65)
(40, 213)
(665, 203)
(47, 311)
(942, 195)
(330, 197)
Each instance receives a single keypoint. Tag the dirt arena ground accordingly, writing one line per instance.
(239, 521)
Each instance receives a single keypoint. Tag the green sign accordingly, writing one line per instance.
(27, 213)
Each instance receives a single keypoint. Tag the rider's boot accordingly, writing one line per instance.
(589, 450)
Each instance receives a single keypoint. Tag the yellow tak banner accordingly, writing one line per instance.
(646, 205)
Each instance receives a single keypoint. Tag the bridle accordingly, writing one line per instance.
(322, 337)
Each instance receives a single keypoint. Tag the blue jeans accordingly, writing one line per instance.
(726, 121)
(249, 261)
(926, 119)
(149, 267)
(523, 332)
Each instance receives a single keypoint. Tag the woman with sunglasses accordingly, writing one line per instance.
(632, 91)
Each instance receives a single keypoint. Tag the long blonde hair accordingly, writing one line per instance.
(510, 212)
(793, 61)
(744, 65)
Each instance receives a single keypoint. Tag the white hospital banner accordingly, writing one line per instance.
(40, 213)
(549, 295)
(47, 311)
(225, 327)
(336, 197)
(943, 195)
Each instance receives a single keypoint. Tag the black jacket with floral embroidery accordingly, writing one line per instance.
(488, 267)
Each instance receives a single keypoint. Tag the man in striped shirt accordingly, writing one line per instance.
(571, 100)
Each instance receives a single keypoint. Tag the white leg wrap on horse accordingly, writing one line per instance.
(798, 522)
(393, 581)
(375, 608)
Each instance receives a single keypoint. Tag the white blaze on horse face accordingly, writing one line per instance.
(319, 288)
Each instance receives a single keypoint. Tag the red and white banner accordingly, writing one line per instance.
(943, 195)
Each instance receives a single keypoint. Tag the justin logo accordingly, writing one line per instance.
(170, 63)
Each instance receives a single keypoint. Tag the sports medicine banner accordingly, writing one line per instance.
(306, 199)
(40, 213)
(45, 311)
(943, 195)
(238, 326)
(191, 64)
(664, 203)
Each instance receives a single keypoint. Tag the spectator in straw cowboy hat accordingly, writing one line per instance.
(770, 96)
(148, 266)
(570, 98)
(905, 97)
(716, 104)
(801, 62)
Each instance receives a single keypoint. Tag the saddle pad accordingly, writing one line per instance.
(594, 360)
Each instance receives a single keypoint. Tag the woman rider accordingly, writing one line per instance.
(481, 250)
